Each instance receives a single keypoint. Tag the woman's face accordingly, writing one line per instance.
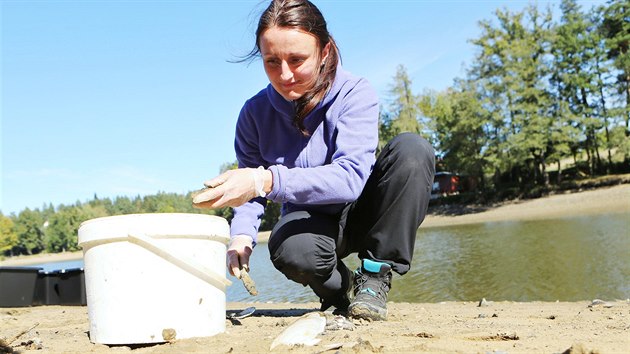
(291, 59)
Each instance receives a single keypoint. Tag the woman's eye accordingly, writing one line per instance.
(272, 62)
(297, 60)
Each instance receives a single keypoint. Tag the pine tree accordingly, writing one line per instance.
(403, 114)
(615, 30)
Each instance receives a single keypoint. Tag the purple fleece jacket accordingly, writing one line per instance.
(321, 172)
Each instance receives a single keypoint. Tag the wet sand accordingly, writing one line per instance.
(452, 327)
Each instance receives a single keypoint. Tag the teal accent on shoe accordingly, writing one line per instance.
(372, 266)
(369, 291)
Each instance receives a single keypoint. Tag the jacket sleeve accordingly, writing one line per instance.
(247, 217)
(343, 179)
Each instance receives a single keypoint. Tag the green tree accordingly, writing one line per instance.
(603, 87)
(578, 77)
(528, 68)
(404, 114)
(509, 72)
(63, 227)
(8, 236)
(404, 106)
(122, 205)
(458, 120)
(385, 131)
(491, 79)
(29, 226)
(615, 30)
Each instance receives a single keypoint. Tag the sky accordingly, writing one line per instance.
(132, 98)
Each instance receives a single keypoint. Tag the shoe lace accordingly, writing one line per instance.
(365, 284)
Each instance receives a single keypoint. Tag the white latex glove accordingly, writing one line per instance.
(239, 250)
(232, 188)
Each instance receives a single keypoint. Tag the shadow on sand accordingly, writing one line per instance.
(293, 312)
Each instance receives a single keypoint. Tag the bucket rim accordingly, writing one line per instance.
(161, 225)
(147, 215)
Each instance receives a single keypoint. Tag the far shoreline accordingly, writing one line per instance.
(603, 200)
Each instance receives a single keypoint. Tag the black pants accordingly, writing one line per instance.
(380, 225)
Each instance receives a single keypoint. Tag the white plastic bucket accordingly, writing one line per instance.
(154, 277)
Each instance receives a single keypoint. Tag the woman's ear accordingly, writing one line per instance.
(325, 52)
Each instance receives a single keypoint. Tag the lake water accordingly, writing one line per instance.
(568, 259)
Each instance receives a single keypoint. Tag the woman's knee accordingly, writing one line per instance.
(410, 147)
(303, 257)
(409, 154)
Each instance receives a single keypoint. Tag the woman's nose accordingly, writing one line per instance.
(286, 73)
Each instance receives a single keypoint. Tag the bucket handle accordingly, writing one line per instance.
(190, 266)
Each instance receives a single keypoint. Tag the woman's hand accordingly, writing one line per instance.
(233, 188)
(239, 250)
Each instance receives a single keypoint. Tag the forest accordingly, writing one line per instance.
(544, 103)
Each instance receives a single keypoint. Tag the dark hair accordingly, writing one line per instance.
(302, 15)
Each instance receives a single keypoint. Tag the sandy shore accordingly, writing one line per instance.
(607, 200)
(614, 199)
(452, 327)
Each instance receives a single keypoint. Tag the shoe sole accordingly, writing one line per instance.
(366, 311)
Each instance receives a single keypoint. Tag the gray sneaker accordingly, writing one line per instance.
(372, 282)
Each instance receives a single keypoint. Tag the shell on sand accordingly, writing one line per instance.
(303, 331)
